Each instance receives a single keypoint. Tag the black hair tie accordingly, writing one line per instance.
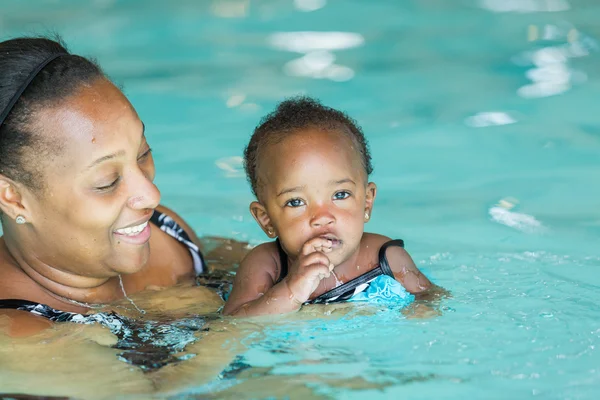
(25, 84)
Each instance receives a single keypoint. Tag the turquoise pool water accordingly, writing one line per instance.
(483, 125)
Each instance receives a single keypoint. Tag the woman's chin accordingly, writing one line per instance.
(131, 262)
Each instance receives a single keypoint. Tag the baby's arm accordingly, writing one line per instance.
(406, 272)
(404, 269)
(254, 292)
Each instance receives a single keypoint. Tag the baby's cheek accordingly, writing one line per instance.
(358, 226)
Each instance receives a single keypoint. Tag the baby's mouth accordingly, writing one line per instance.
(335, 242)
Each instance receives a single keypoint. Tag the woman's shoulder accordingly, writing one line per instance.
(170, 260)
(180, 221)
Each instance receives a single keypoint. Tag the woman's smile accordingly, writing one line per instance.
(137, 234)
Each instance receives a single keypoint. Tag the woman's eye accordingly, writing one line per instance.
(108, 187)
(294, 203)
(145, 155)
(341, 195)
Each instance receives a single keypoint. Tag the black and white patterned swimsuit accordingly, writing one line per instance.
(162, 221)
(347, 290)
(147, 344)
(172, 228)
(134, 334)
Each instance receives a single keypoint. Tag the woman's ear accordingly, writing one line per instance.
(370, 195)
(259, 212)
(11, 200)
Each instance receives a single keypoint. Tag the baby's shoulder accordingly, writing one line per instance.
(265, 257)
(262, 252)
(372, 243)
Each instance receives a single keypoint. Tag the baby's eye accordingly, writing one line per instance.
(341, 195)
(294, 203)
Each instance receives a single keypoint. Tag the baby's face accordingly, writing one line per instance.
(314, 185)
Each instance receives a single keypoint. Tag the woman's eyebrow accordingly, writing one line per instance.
(106, 158)
(114, 155)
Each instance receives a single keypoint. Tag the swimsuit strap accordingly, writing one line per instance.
(383, 261)
(360, 283)
(172, 228)
(283, 260)
(42, 310)
(15, 303)
(348, 289)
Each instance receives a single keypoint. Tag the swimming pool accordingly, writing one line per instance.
(482, 122)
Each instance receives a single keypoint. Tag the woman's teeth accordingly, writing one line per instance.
(132, 230)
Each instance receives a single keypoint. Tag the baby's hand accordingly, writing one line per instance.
(310, 268)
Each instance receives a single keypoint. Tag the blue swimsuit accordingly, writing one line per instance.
(377, 285)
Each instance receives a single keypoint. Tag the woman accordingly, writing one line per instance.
(79, 210)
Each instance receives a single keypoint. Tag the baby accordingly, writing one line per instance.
(308, 166)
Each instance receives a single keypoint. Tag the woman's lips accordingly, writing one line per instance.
(134, 235)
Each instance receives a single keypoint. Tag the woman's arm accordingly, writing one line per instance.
(17, 323)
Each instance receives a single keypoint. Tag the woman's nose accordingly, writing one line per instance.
(145, 194)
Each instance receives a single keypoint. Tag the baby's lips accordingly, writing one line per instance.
(335, 242)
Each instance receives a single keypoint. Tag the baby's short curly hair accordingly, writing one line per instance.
(292, 115)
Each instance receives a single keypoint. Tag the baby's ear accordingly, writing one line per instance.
(370, 195)
(259, 212)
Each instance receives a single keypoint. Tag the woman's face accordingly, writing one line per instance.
(92, 214)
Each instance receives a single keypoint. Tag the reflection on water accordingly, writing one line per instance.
(489, 118)
(230, 8)
(232, 166)
(552, 74)
(526, 6)
(309, 5)
(318, 60)
(503, 213)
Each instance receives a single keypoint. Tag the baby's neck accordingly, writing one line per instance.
(348, 270)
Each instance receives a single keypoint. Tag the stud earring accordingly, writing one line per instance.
(367, 216)
(20, 220)
(269, 232)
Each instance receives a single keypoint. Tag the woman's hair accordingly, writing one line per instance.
(57, 80)
(292, 115)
